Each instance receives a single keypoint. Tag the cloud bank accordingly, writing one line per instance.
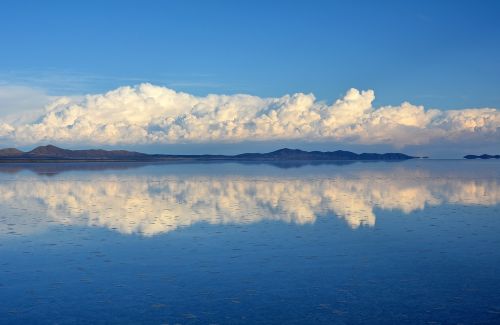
(148, 114)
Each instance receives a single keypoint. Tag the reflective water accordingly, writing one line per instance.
(409, 242)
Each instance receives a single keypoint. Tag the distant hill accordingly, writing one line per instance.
(10, 152)
(52, 153)
(484, 156)
(296, 154)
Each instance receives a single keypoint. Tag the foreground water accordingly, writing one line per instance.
(409, 242)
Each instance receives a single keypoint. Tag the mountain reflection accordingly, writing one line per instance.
(154, 204)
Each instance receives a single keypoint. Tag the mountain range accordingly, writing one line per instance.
(484, 156)
(53, 153)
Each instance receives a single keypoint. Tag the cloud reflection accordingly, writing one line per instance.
(154, 204)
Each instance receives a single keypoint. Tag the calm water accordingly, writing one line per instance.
(409, 242)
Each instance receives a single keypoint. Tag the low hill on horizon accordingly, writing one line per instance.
(53, 153)
(483, 156)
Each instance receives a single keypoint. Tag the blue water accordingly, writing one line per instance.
(389, 243)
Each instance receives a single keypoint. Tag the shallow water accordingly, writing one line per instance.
(406, 242)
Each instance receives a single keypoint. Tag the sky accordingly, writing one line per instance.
(421, 77)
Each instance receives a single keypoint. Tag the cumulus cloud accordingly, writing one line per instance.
(148, 114)
(19, 103)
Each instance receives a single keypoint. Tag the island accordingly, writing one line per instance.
(51, 153)
(483, 156)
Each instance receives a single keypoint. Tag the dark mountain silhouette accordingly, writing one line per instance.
(53, 153)
(10, 152)
(296, 154)
(484, 156)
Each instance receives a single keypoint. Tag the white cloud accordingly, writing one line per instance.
(148, 114)
(19, 103)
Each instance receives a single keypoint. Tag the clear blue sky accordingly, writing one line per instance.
(442, 54)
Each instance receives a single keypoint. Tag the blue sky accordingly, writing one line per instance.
(440, 54)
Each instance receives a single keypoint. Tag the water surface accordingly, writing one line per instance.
(405, 242)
